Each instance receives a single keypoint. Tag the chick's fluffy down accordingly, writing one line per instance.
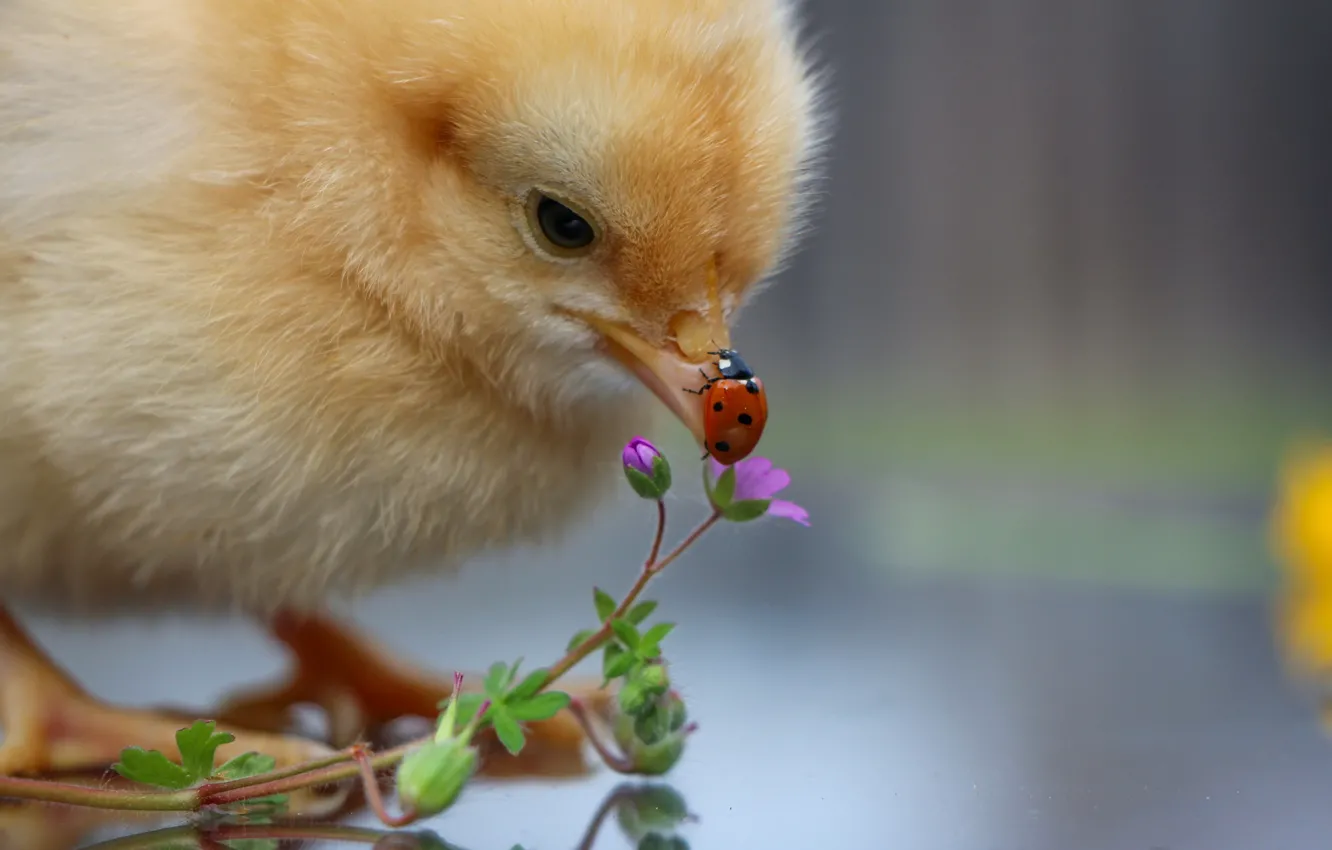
(270, 324)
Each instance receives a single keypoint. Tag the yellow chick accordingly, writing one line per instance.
(299, 297)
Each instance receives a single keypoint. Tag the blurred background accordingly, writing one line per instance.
(1064, 310)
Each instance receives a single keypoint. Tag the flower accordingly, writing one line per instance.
(745, 491)
(646, 469)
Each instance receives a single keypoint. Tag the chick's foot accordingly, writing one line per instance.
(51, 725)
(361, 686)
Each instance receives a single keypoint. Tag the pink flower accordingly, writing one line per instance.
(745, 490)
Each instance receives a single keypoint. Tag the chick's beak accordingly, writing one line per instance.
(672, 369)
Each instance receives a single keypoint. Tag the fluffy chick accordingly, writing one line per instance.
(282, 317)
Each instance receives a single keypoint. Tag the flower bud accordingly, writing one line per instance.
(633, 698)
(653, 679)
(646, 469)
(431, 778)
(657, 841)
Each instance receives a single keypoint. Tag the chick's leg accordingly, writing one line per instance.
(51, 724)
(361, 685)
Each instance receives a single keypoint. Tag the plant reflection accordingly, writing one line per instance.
(648, 815)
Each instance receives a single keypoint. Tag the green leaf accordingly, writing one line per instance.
(247, 764)
(641, 612)
(725, 489)
(468, 706)
(528, 686)
(744, 511)
(497, 679)
(612, 652)
(626, 632)
(540, 707)
(198, 745)
(579, 638)
(605, 603)
(509, 733)
(622, 664)
(150, 767)
(649, 646)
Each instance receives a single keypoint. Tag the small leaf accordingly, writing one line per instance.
(247, 764)
(746, 510)
(725, 490)
(626, 632)
(150, 767)
(612, 652)
(468, 706)
(579, 639)
(623, 663)
(529, 686)
(641, 612)
(649, 646)
(540, 707)
(496, 680)
(605, 603)
(512, 674)
(509, 733)
(198, 745)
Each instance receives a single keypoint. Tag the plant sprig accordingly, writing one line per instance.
(649, 725)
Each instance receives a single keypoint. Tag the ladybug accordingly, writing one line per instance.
(735, 408)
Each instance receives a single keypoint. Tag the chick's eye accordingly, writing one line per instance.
(558, 225)
(563, 226)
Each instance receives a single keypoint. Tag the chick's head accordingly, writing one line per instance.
(547, 188)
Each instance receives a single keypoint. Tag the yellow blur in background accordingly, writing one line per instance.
(1302, 529)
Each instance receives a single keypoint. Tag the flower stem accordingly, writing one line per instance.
(98, 798)
(375, 798)
(615, 761)
(311, 775)
(650, 569)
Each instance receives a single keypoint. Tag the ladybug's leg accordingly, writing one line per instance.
(707, 382)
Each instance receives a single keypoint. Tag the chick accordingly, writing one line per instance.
(300, 297)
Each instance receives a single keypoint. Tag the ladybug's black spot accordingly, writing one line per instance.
(717, 405)
(723, 446)
(752, 387)
(745, 419)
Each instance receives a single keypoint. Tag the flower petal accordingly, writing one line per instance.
(759, 479)
(789, 510)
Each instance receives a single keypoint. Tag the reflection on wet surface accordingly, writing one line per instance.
(840, 705)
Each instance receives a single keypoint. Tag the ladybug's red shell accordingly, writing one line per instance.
(734, 415)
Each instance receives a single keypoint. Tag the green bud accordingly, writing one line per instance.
(634, 698)
(432, 777)
(654, 739)
(657, 841)
(653, 679)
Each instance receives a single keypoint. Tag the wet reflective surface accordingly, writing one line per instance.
(841, 703)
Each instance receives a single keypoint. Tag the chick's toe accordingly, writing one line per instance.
(52, 725)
